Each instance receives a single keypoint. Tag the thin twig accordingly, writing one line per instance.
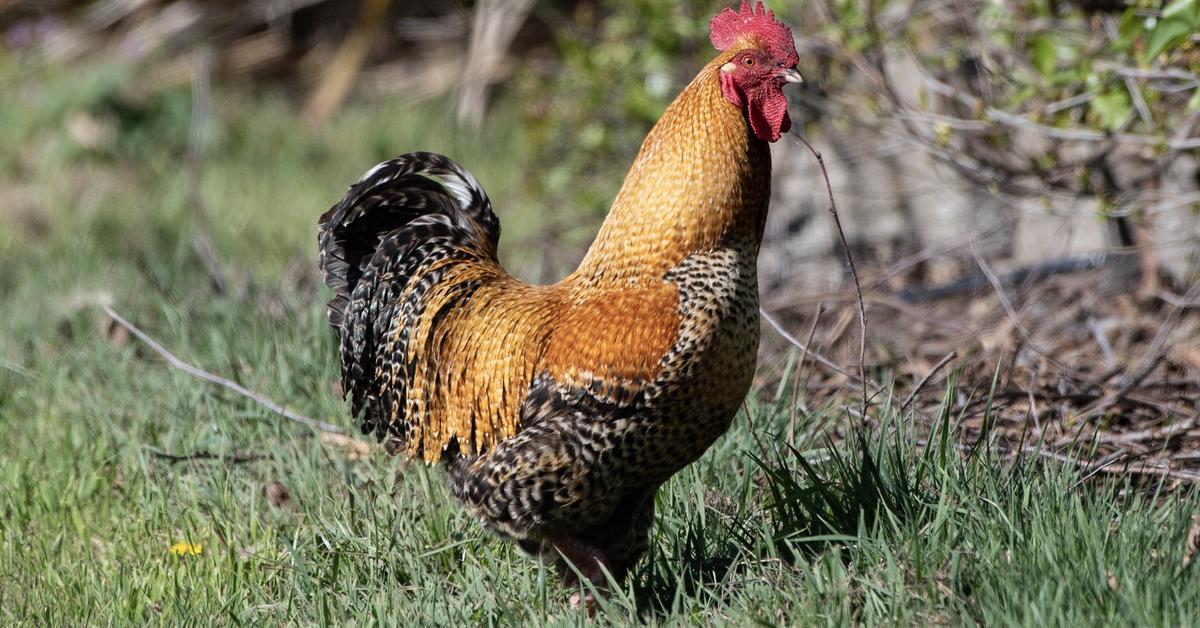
(1089, 467)
(1013, 316)
(205, 455)
(817, 357)
(921, 384)
(1101, 466)
(1157, 435)
(1169, 74)
(216, 379)
(998, 118)
(862, 307)
(1177, 300)
(1000, 293)
(202, 243)
(1154, 356)
(1141, 469)
(750, 419)
(812, 330)
(1050, 396)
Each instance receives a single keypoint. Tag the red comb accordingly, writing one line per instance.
(727, 27)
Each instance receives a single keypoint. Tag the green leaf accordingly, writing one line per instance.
(1044, 54)
(1112, 109)
(1193, 103)
(1167, 33)
(1185, 9)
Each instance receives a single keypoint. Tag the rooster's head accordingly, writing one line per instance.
(763, 59)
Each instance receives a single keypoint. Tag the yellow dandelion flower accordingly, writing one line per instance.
(187, 548)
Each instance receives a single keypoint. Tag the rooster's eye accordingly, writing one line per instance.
(748, 61)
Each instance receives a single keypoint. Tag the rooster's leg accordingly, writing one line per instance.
(625, 537)
(590, 562)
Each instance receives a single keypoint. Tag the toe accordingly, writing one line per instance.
(585, 601)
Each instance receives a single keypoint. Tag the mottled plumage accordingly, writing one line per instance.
(558, 410)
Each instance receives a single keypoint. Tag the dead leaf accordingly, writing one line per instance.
(88, 131)
(99, 547)
(355, 449)
(1112, 581)
(250, 552)
(1187, 353)
(116, 335)
(1193, 541)
(25, 212)
(277, 494)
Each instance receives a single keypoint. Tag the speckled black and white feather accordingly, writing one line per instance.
(402, 216)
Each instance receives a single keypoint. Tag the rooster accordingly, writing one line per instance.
(557, 411)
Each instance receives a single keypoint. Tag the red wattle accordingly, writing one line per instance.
(764, 106)
(768, 115)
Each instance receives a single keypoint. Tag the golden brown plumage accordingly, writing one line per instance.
(558, 410)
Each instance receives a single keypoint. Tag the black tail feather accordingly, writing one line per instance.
(401, 216)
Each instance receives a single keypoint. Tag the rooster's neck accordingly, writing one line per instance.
(701, 180)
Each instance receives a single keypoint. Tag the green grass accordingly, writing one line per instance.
(870, 530)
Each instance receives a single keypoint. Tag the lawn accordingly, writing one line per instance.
(135, 493)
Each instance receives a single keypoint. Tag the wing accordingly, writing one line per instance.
(605, 352)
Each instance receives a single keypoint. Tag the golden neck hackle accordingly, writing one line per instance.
(700, 180)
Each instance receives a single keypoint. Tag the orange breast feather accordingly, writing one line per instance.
(613, 340)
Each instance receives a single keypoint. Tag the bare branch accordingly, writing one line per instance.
(199, 373)
(817, 357)
(812, 330)
(921, 384)
(862, 307)
(202, 243)
(1169, 74)
(1154, 355)
(205, 455)
(1090, 468)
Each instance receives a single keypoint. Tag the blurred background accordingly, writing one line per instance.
(1019, 180)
